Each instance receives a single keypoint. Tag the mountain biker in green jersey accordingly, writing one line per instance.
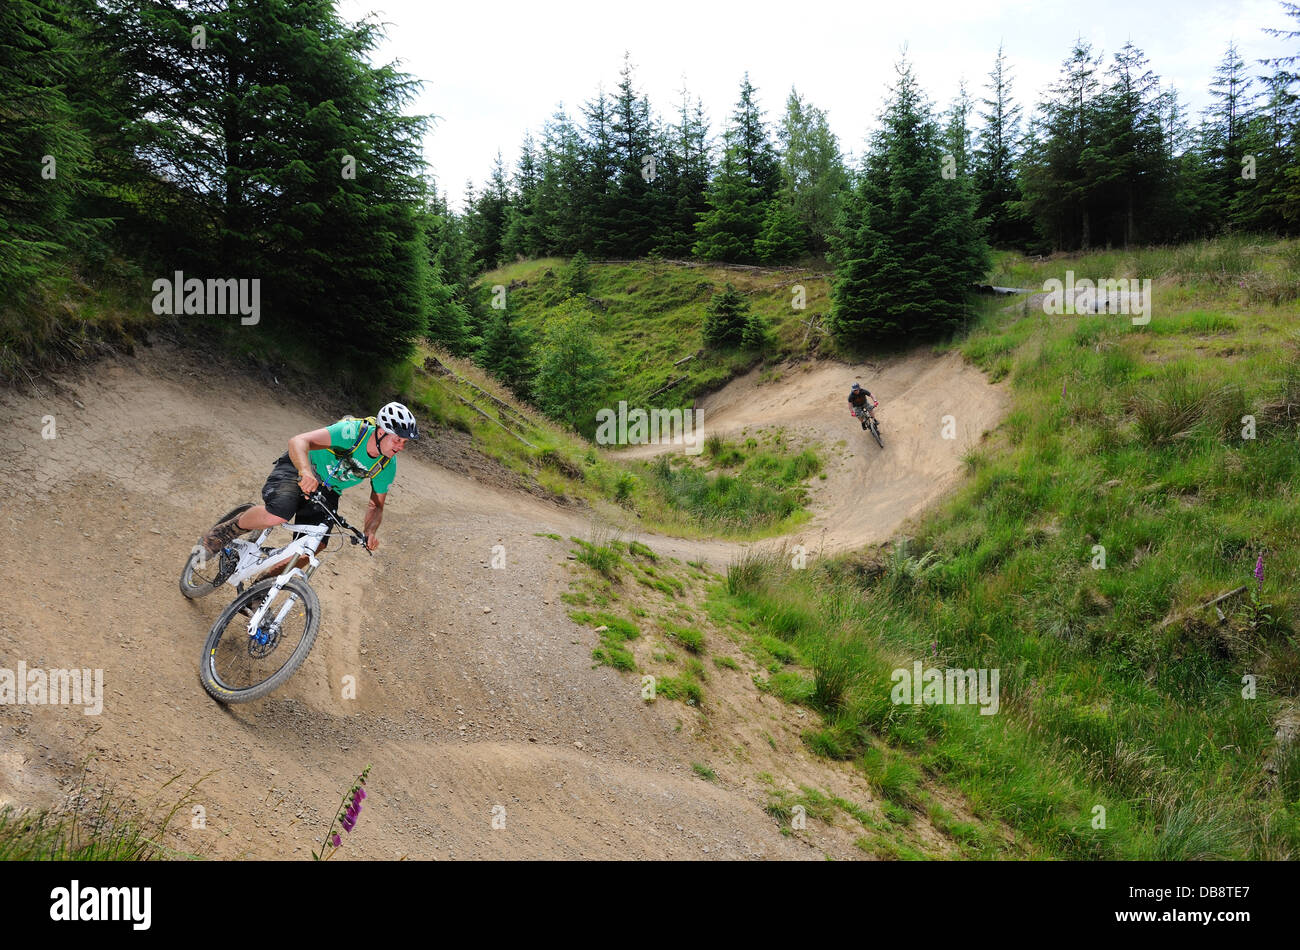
(331, 459)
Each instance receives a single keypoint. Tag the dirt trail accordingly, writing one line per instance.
(474, 687)
(869, 492)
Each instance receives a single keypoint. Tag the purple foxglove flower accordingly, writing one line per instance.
(1259, 570)
(337, 841)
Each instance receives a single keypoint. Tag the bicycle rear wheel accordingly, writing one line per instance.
(238, 668)
(203, 572)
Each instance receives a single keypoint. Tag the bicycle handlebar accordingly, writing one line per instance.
(357, 536)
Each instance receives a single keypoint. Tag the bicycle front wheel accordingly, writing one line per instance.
(236, 667)
(875, 432)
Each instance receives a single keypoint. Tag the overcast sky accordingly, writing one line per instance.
(493, 70)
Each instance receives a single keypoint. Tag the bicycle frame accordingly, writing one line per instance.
(253, 558)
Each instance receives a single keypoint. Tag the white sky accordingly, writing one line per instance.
(493, 70)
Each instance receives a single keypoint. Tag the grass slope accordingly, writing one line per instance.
(650, 314)
(1134, 723)
(744, 491)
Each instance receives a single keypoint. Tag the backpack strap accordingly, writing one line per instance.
(370, 423)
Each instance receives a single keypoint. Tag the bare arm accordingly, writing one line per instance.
(374, 515)
(299, 446)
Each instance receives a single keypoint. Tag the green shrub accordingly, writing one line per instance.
(600, 555)
(704, 772)
(688, 637)
(623, 486)
(680, 687)
(779, 649)
(637, 549)
(576, 278)
(791, 687)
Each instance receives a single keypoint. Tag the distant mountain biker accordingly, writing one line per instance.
(858, 397)
(331, 459)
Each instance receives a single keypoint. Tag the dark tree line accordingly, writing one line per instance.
(246, 139)
(254, 139)
(1109, 157)
(618, 181)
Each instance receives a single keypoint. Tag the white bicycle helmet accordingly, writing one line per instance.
(398, 420)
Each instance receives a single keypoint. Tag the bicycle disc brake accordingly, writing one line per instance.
(263, 643)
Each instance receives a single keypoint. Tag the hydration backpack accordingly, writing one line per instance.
(370, 423)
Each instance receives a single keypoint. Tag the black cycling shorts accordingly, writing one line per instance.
(285, 499)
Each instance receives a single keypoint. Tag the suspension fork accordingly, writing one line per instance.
(255, 622)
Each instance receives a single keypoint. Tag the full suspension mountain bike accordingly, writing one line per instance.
(868, 420)
(267, 631)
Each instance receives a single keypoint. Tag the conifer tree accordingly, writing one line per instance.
(576, 279)
(957, 133)
(270, 117)
(994, 160)
(725, 318)
(596, 190)
(754, 146)
(684, 176)
(782, 238)
(756, 334)
(560, 185)
(453, 315)
(44, 148)
(573, 369)
(637, 197)
(728, 229)
(1228, 118)
(1056, 176)
(747, 180)
(521, 236)
(907, 249)
(1270, 146)
(1133, 179)
(486, 224)
(507, 353)
(1286, 73)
